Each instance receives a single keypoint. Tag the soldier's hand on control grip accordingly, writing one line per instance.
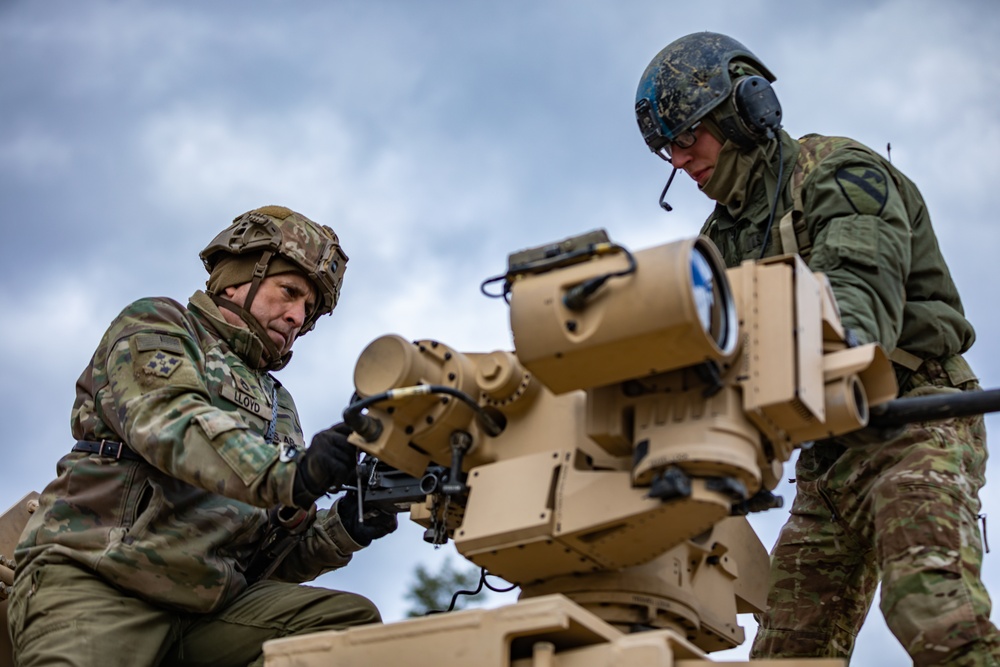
(330, 461)
(376, 523)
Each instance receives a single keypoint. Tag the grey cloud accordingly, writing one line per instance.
(436, 137)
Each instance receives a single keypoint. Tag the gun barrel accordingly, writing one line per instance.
(936, 407)
(392, 490)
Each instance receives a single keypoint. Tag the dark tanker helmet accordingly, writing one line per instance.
(686, 81)
(278, 231)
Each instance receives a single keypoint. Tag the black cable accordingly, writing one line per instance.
(774, 202)
(479, 589)
(537, 266)
(576, 297)
(505, 295)
(370, 428)
(548, 263)
(494, 589)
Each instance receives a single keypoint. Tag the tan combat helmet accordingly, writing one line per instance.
(278, 233)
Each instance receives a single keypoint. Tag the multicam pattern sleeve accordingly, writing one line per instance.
(175, 394)
(326, 546)
(180, 527)
(872, 236)
(862, 235)
(870, 233)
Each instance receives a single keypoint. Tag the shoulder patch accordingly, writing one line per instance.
(866, 188)
(162, 364)
(154, 341)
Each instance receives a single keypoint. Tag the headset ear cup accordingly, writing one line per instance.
(757, 106)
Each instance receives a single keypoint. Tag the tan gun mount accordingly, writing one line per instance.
(633, 423)
(650, 400)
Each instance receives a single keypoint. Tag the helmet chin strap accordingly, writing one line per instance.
(273, 359)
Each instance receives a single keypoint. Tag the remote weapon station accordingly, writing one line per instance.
(605, 465)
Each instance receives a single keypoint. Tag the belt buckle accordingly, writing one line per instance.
(111, 449)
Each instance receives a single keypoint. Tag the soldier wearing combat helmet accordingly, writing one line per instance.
(183, 518)
(900, 509)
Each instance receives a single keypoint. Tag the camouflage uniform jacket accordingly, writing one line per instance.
(869, 232)
(179, 527)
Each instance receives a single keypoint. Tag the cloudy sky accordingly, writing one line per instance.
(435, 137)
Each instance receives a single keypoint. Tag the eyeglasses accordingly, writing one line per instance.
(685, 139)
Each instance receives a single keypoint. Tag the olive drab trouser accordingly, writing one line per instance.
(63, 614)
(903, 512)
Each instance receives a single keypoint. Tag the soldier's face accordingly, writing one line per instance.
(698, 160)
(281, 305)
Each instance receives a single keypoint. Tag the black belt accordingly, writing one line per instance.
(108, 448)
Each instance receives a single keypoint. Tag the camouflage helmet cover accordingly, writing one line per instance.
(685, 81)
(313, 248)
